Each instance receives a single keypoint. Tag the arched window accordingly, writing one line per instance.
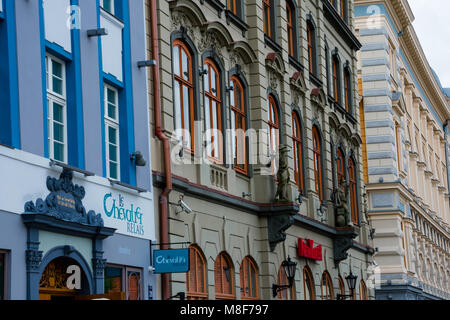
(317, 162)
(340, 167)
(327, 67)
(341, 286)
(183, 91)
(347, 90)
(336, 79)
(213, 110)
(362, 290)
(326, 287)
(290, 27)
(311, 47)
(224, 277)
(267, 17)
(333, 3)
(196, 276)
(274, 126)
(288, 294)
(352, 190)
(238, 125)
(298, 156)
(308, 284)
(249, 279)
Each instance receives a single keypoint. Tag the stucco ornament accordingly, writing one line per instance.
(283, 175)
(342, 211)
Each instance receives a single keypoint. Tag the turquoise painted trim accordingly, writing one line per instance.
(112, 80)
(44, 78)
(57, 51)
(11, 95)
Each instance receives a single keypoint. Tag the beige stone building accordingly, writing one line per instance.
(285, 73)
(405, 131)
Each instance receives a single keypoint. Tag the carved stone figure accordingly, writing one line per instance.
(342, 211)
(283, 175)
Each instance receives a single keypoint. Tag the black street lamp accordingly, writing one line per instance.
(351, 282)
(289, 267)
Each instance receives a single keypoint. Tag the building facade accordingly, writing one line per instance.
(284, 73)
(405, 116)
(76, 212)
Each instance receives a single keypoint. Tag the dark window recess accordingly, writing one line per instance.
(2, 275)
(216, 4)
(315, 80)
(297, 65)
(272, 44)
(237, 21)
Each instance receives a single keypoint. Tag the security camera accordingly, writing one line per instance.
(184, 206)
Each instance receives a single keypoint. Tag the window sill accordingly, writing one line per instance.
(237, 21)
(296, 64)
(272, 44)
(315, 80)
(216, 4)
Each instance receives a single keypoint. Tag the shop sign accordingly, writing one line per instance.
(307, 250)
(129, 215)
(171, 261)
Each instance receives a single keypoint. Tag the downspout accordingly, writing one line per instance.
(164, 197)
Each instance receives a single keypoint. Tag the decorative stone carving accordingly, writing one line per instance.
(342, 212)
(342, 242)
(277, 225)
(33, 259)
(64, 202)
(181, 21)
(99, 266)
(283, 175)
(209, 40)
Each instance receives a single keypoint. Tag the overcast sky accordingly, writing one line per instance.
(432, 25)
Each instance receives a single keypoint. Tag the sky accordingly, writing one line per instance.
(432, 25)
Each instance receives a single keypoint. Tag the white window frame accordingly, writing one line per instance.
(61, 99)
(112, 6)
(112, 123)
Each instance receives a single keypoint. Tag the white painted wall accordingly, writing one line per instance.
(112, 45)
(56, 16)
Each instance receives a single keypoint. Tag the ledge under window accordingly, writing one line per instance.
(271, 43)
(216, 4)
(297, 65)
(315, 80)
(237, 21)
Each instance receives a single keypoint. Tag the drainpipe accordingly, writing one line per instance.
(164, 197)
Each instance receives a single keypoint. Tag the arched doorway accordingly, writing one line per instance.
(63, 279)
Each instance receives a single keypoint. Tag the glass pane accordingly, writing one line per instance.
(215, 126)
(206, 79)
(233, 133)
(253, 282)
(113, 280)
(184, 60)
(213, 81)
(134, 285)
(57, 86)
(2, 276)
(111, 96)
(239, 98)
(58, 132)
(112, 135)
(187, 117)
(112, 153)
(58, 112)
(176, 60)
(232, 102)
(177, 105)
(57, 69)
(113, 170)
(108, 5)
(112, 111)
(58, 150)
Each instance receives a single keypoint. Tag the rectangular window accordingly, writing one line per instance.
(3, 272)
(123, 280)
(267, 17)
(108, 5)
(56, 108)
(112, 132)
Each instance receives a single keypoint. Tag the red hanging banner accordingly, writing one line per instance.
(308, 251)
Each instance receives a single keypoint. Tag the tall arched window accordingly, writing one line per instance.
(267, 17)
(238, 125)
(326, 287)
(298, 156)
(308, 284)
(288, 294)
(183, 91)
(274, 126)
(341, 286)
(317, 150)
(347, 90)
(290, 27)
(224, 277)
(311, 47)
(196, 276)
(362, 291)
(249, 279)
(213, 110)
(336, 80)
(340, 167)
(352, 190)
